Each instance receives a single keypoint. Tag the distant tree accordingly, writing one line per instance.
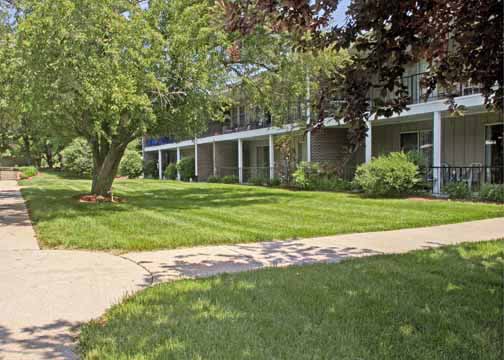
(461, 41)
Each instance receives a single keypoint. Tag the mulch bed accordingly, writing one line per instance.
(95, 199)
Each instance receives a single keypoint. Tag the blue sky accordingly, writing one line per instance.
(339, 16)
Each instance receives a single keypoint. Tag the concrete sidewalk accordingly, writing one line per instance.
(195, 262)
(46, 295)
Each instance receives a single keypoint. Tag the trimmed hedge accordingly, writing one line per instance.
(170, 172)
(493, 192)
(131, 165)
(186, 169)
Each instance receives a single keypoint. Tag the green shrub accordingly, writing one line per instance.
(230, 179)
(305, 175)
(170, 172)
(457, 190)
(258, 180)
(214, 179)
(77, 158)
(390, 175)
(186, 169)
(28, 171)
(131, 164)
(331, 184)
(275, 182)
(151, 169)
(492, 192)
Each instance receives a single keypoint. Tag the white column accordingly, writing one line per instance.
(196, 157)
(369, 142)
(436, 152)
(214, 157)
(160, 164)
(240, 161)
(271, 157)
(178, 159)
(308, 146)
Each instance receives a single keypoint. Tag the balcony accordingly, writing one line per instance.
(149, 142)
(417, 92)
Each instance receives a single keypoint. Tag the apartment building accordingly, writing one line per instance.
(467, 148)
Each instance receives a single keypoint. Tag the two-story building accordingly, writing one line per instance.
(467, 148)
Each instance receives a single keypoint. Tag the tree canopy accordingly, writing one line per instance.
(460, 40)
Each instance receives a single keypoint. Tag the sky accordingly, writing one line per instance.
(339, 15)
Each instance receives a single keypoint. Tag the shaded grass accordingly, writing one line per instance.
(437, 304)
(170, 214)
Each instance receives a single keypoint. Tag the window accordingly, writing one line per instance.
(494, 145)
(420, 141)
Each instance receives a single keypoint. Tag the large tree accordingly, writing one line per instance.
(461, 41)
(112, 70)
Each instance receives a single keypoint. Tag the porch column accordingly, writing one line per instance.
(308, 146)
(196, 158)
(436, 153)
(160, 164)
(214, 158)
(271, 158)
(178, 159)
(369, 142)
(240, 161)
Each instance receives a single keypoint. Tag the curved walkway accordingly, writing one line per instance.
(46, 295)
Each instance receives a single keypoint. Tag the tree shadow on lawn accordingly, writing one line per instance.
(424, 305)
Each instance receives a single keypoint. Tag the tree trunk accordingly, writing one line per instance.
(105, 171)
(49, 156)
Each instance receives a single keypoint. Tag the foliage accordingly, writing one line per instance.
(258, 180)
(170, 172)
(131, 164)
(492, 192)
(305, 175)
(458, 40)
(331, 184)
(151, 169)
(389, 175)
(214, 179)
(28, 171)
(230, 179)
(77, 158)
(457, 190)
(140, 70)
(275, 182)
(186, 169)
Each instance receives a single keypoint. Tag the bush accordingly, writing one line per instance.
(131, 164)
(305, 175)
(457, 190)
(214, 179)
(151, 169)
(77, 158)
(186, 169)
(390, 175)
(170, 172)
(230, 179)
(331, 184)
(493, 192)
(258, 180)
(275, 182)
(28, 171)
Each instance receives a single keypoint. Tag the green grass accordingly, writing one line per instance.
(438, 304)
(170, 214)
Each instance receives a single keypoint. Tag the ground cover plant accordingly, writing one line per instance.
(445, 303)
(168, 214)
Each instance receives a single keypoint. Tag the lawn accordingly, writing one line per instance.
(437, 304)
(169, 214)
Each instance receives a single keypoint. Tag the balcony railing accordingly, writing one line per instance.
(417, 92)
(158, 141)
(473, 176)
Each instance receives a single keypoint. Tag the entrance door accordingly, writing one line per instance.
(494, 153)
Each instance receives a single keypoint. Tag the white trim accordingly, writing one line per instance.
(369, 143)
(160, 165)
(178, 159)
(196, 157)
